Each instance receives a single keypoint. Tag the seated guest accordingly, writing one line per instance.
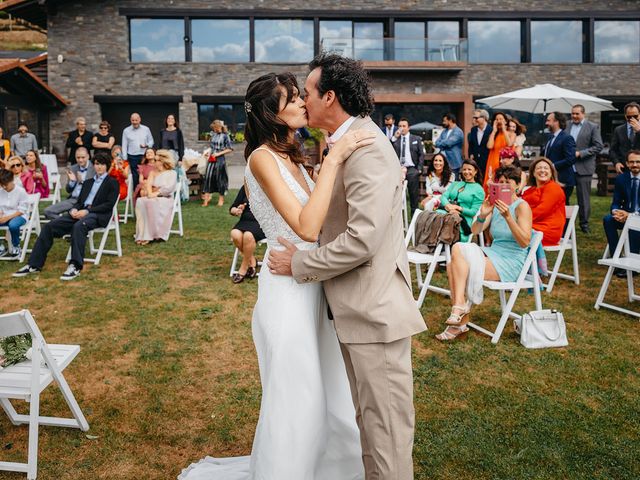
(625, 202)
(15, 166)
(155, 205)
(78, 173)
(245, 235)
(147, 165)
(545, 196)
(509, 157)
(514, 126)
(34, 177)
(439, 176)
(510, 227)
(92, 210)
(119, 170)
(14, 203)
(464, 197)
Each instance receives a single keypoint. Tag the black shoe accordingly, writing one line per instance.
(620, 273)
(26, 270)
(251, 273)
(585, 229)
(237, 278)
(70, 273)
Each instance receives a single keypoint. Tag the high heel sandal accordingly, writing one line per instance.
(251, 273)
(448, 335)
(457, 318)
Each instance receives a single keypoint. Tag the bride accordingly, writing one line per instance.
(307, 428)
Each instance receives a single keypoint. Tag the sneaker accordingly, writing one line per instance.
(70, 273)
(15, 252)
(26, 270)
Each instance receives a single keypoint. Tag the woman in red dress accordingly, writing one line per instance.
(119, 170)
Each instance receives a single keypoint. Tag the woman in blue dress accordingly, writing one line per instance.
(510, 227)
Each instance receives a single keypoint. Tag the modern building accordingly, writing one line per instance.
(195, 58)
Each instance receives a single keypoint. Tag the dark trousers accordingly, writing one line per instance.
(583, 191)
(134, 161)
(568, 190)
(611, 227)
(63, 225)
(413, 186)
(456, 173)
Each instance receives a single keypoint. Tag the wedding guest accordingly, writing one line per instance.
(80, 137)
(410, 151)
(136, 138)
(509, 158)
(171, 138)
(215, 178)
(5, 147)
(464, 197)
(23, 141)
(245, 236)
(439, 177)
(119, 170)
(511, 229)
(35, 178)
(155, 205)
(545, 196)
(15, 166)
(145, 168)
(514, 126)
(561, 150)
(14, 203)
(499, 138)
(450, 142)
(625, 137)
(477, 139)
(77, 173)
(103, 140)
(390, 128)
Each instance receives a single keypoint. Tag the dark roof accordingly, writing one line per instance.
(17, 78)
(33, 11)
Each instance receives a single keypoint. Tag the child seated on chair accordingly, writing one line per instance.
(245, 235)
(510, 226)
(93, 209)
(14, 203)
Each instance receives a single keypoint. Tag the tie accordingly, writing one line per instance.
(403, 150)
(389, 134)
(634, 194)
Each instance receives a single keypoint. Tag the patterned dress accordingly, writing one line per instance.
(215, 178)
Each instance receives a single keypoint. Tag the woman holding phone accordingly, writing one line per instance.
(34, 177)
(510, 227)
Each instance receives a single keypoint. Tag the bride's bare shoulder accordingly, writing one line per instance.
(262, 163)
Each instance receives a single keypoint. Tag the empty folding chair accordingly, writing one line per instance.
(27, 379)
(112, 226)
(177, 211)
(623, 259)
(234, 263)
(51, 162)
(567, 242)
(32, 226)
(129, 211)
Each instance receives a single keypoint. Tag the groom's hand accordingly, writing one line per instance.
(279, 261)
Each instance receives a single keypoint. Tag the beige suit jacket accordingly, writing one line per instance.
(362, 259)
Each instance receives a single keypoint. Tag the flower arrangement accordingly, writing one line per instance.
(14, 349)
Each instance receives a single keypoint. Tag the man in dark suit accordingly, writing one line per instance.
(478, 137)
(626, 201)
(626, 136)
(561, 150)
(410, 151)
(92, 210)
(588, 144)
(390, 128)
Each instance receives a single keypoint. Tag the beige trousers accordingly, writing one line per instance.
(381, 380)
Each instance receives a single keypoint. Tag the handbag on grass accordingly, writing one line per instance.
(542, 329)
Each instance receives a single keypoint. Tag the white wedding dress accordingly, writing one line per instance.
(307, 428)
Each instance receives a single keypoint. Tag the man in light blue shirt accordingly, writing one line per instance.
(23, 141)
(450, 143)
(136, 138)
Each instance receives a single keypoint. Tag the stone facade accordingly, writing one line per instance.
(93, 39)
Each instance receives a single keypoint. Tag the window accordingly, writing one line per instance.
(494, 42)
(288, 41)
(220, 41)
(368, 41)
(617, 41)
(157, 40)
(337, 36)
(444, 41)
(233, 116)
(409, 41)
(556, 41)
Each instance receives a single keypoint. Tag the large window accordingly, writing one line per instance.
(556, 41)
(444, 44)
(220, 40)
(157, 40)
(494, 42)
(617, 41)
(337, 36)
(232, 114)
(287, 41)
(409, 41)
(368, 41)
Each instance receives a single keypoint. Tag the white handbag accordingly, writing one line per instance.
(542, 329)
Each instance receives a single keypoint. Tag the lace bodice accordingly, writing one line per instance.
(271, 222)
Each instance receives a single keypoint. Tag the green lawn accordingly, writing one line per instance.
(168, 374)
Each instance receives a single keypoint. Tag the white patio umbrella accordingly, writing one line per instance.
(423, 126)
(546, 98)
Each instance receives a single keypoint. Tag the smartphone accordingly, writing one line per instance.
(500, 191)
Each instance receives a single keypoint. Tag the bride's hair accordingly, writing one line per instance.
(262, 104)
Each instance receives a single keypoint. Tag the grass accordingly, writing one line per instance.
(168, 374)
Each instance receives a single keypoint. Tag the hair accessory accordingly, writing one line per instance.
(247, 107)
(508, 152)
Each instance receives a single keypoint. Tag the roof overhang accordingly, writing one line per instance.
(33, 11)
(17, 79)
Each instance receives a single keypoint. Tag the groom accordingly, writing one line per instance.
(362, 263)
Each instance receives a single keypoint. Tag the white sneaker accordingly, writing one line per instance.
(15, 252)
(70, 273)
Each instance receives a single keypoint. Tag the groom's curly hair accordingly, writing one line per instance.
(348, 79)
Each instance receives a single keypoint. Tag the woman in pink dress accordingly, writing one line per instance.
(34, 177)
(144, 170)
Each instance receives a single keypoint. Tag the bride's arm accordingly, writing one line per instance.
(306, 221)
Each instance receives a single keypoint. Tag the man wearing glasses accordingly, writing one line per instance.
(478, 137)
(626, 137)
(80, 137)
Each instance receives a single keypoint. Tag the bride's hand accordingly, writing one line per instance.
(350, 142)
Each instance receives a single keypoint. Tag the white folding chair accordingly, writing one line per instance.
(528, 279)
(32, 225)
(442, 253)
(568, 242)
(129, 211)
(114, 226)
(630, 262)
(177, 210)
(405, 206)
(234, 263)
(51, 162)
(27, 379)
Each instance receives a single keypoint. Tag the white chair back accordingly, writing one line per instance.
(624, 246)
(51, 162)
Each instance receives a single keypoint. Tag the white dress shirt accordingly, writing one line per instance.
(480, 134)
(342, 129)
(406, 161)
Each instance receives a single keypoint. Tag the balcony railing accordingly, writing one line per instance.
(399, 49)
